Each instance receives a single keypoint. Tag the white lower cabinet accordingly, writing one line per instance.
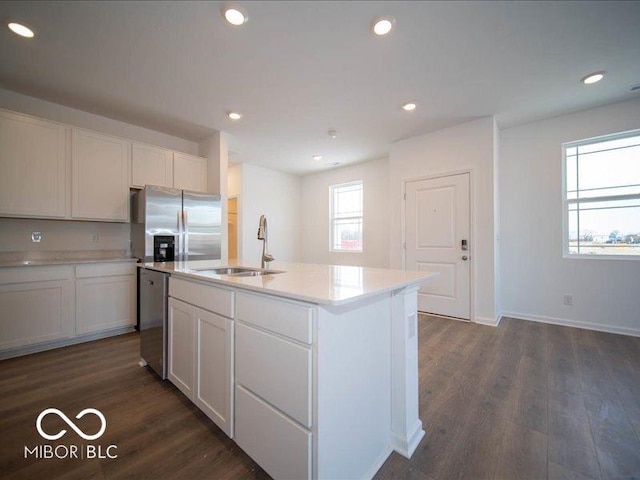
(36, 305)
(274, 384)
(214, 354)
(181, 345)
(273, 440)
(201, 349)
(46, 307)
(246, 361)
(105, 297)
(277, 370)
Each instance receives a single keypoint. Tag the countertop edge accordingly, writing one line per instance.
(288, 294)
(50, 263)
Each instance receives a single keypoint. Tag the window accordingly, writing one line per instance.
(602, 196)
(346, 217)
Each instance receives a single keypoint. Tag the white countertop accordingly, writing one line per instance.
(69, 261)
(322, 284)
(62, 257)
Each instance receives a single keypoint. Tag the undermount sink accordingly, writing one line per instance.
(240, 271)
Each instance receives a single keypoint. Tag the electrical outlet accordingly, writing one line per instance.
(93, 237)
(36, 237)
(567, 300)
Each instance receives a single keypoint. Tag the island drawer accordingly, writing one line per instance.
(215, 299)
(275, 369)
(283, 317)
(275, 442)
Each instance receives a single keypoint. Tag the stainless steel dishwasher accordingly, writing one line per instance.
(153, 319)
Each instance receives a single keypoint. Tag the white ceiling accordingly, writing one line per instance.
(297, 69)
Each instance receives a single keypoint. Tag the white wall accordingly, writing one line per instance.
(234, 189)
(215, 149)
(77, 118)
(234, 179)
(470, 146)
(315, 218)
(534, 273)
(274, 194)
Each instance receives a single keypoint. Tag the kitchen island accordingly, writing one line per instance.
(312, 371)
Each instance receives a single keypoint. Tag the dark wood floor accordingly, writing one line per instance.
(523, 401)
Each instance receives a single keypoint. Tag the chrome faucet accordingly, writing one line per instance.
(262, 235)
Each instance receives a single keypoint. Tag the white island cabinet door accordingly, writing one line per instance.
(213, 386)
(99, 176)
(277, 443)
(181, 346)
(33, 175)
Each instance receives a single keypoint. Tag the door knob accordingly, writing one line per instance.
(464, 257)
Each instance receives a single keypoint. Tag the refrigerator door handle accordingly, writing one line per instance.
(185, 233)
(180, 239)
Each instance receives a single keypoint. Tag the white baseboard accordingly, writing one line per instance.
(492, 322)
(65, 342)
(406, 446)
(565, 322)
(378, 464)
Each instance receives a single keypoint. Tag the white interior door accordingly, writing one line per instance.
(436, 225)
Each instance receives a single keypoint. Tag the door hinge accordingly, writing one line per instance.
(404, 195)
(404, 245)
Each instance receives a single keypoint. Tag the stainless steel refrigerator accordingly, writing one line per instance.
(170, 224)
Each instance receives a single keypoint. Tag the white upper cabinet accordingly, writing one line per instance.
(100, 176)
(52, 170)
(189, 172)
(151, 166)
(157, 166)
(33, 170)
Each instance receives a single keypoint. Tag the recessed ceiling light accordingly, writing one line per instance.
(317, 158)
(235, 15)
(235, 116)
(409, 107)
(592, 78)
(21, 30)
(382, 26)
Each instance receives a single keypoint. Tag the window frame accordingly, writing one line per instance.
(332, 218)
(566, 202)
